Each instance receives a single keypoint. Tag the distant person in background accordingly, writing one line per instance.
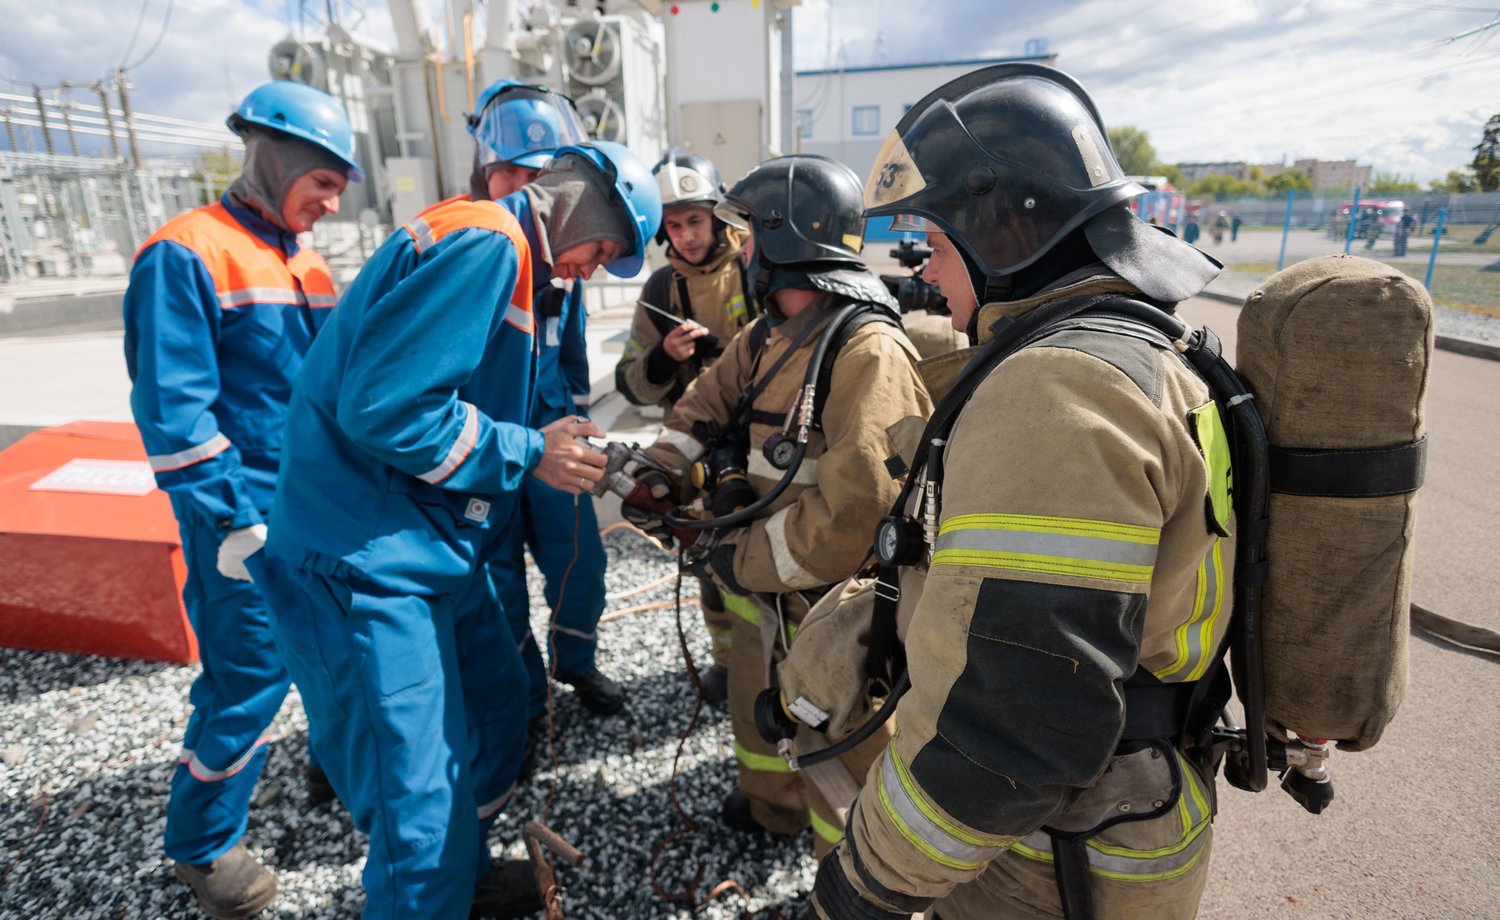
(1234, 228)
(1220, 226)
(223, 305)
(1403, 231)
(1190, 231)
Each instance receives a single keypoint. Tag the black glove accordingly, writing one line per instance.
(717, 564)
(654, 495)
(837, 899)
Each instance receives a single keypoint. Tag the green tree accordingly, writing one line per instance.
(1133, 149)
(1219, 186)
(1457, 182)
(213, 171)
(1289, 180)
(1170, 170)
(1486, 163)
(1393, 184)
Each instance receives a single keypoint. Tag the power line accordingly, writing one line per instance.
(165, 21)
(139, 19)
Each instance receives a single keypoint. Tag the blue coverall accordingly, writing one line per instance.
(561, 530)
(405, 453)
(222, 307)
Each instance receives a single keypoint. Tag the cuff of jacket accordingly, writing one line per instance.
(660, 366)
(835, 897)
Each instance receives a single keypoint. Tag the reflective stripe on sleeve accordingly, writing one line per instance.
(736, 307)
(788, 569)
(165, 463)
(1195, 638)
(519, 318)
(458, 450)
(581, 399)
(321, 300)
(687, 445)
(204, 774)
(939, 839)
(246, 296)
(807, 470)
(421, 234)
(1076, 547)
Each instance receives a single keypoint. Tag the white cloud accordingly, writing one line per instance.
(1234, 79)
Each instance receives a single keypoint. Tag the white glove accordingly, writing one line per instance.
(237, 547)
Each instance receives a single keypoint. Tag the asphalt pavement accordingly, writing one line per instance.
(1411, 831)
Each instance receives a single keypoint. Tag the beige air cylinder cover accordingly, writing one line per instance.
(1337, 350)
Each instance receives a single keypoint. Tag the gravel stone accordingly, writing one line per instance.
(92, 743)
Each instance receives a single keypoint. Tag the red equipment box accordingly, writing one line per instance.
(90, 558)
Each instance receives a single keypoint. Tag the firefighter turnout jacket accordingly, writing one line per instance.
(818, 531)
(714, 295)
(1083, 542)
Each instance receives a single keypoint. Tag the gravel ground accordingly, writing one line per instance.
(87, 746)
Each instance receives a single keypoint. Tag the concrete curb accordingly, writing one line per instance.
(63, 313)
(1471, 347)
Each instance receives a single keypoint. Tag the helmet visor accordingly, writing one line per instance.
(734, 213)
(523, 125)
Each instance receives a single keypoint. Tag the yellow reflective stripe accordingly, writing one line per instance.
(633, 349)
(736, 308)
(1213, 444)
(828, 831)
(1172, 861)
(1078, 547)
(942, 841)
(765, 763)
(1194, 639)
(747, 610)
(742, 607)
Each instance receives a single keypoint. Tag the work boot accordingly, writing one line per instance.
(597, 693)
(536, 731)
(715, 684)
(508, 891)
(737, 814)
(319, 789)
(232, 887)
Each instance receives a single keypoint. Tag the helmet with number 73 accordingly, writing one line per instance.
(1011, 160)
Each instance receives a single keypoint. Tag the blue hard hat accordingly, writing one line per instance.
(522, 123)
(303, 112)
(635, 188)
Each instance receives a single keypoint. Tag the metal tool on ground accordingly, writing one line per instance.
(539, 837)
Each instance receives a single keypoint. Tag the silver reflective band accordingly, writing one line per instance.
(807, 712)
(202, 772)
(918, 824)
(788, 569)
(321, 300)
(162, 463)
(1066, 546)
(685, 444)
(246, 296)
(807, 470)
(519, 318)
(460, 448)
(421, 234)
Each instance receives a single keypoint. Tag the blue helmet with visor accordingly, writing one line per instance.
(523, 123)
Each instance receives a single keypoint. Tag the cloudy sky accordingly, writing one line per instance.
(1388, 82)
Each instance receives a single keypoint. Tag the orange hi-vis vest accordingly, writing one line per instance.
(463, 213)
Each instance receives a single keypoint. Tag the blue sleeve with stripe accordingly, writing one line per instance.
(574, 355)
(172, 317)
(417, 345)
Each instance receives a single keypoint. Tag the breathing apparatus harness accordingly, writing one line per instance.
(1186, 713)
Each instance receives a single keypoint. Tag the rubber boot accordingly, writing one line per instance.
(232, 887)
(597, 693)
(508, 891)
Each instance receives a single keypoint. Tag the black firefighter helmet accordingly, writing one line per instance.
(805, 214)
(1009, 161)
